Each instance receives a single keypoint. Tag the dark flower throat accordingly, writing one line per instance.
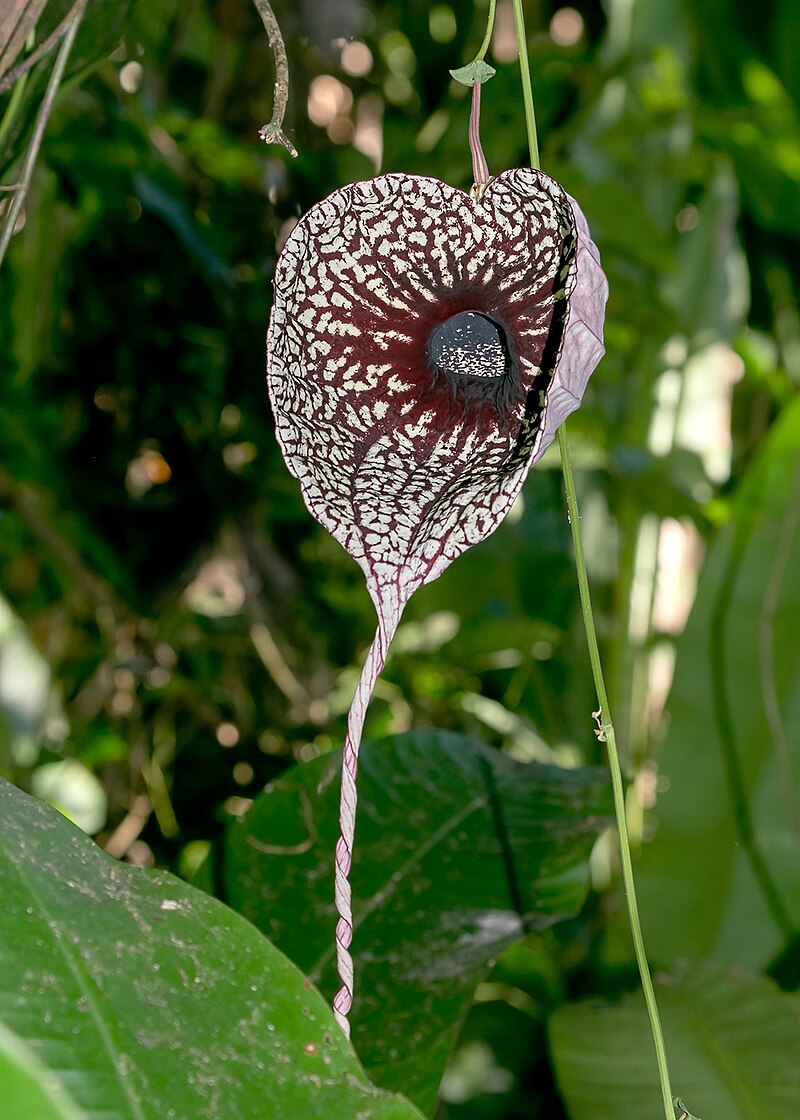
(469, 345)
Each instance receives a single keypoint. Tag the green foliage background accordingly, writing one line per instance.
(176, 631)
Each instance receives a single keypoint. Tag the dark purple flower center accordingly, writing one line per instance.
(469, 345)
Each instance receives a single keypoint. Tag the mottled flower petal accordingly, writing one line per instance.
(405, 462)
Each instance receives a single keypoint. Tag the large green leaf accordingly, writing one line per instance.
(723, 867)
(147, 999)
(732, 1041)
(458, 851)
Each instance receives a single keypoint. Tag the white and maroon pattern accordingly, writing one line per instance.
(405, 467)
(406, 462)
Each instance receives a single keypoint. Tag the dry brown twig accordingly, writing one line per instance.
(18, 18)
(21, 188)
(44, 48)
(272, 133)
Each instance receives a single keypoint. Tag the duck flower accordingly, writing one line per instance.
(423, 348)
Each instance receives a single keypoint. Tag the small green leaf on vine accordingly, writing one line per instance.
(474, 73)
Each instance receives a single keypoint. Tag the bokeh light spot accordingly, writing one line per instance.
(687, 218)
(236, 456)
(148, 469)
(566, 27)
(442, 23)
(398, 54)
(230, 418)
(327, 99)
(243, 773)
(130, 76)
(356, 59)
(227, 734)
(341, 130)
(504, 39)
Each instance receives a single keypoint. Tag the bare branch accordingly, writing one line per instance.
(273, 133)
(18, 198)
(44, 48)
(18, 18)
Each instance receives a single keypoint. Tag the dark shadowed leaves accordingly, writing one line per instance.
(459, 850)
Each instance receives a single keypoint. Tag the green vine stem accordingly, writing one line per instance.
(487, 38)
(606, 733)
(478, 71)
(606, 727)
(527, 88)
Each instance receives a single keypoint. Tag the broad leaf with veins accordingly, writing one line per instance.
(424, 345)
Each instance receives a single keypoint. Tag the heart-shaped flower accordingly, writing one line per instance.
(424, 345)
(423, 348)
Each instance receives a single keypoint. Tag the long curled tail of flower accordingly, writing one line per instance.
(347, 816)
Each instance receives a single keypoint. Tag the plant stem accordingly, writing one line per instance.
(480, 168)
(527, 88)
(604, 715)
(479, 57)
(13, 76)
(343, 1000)
(272, 132)
(42, 118)
(607, 731)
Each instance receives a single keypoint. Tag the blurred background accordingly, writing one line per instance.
(176, 630)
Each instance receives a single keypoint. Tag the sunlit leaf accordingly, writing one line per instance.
(147, 999)
(731, 751)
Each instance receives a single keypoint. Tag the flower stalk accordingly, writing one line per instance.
(480, 168)
(487, 38)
